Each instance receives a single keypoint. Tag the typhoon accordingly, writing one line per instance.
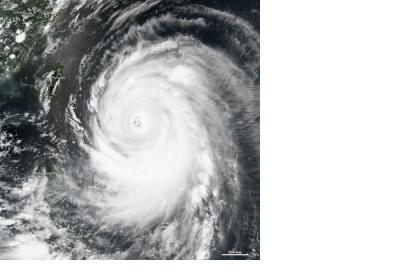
(145, 140)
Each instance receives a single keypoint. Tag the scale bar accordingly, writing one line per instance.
(235, 255)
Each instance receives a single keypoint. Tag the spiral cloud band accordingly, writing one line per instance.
(156, 153)
(148, 136)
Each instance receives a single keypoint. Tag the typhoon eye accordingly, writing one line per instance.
(137, 123)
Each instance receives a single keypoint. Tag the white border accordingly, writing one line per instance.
(336, 150)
